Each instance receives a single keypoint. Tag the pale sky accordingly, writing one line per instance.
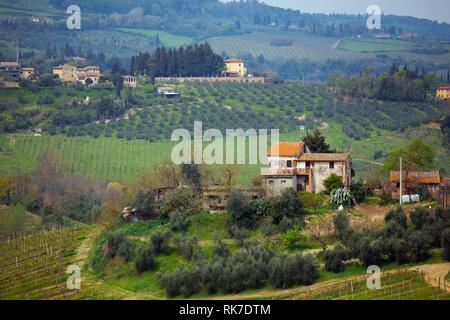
(430, 9)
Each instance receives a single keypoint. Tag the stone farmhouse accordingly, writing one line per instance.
(293, 165)
(71, 73)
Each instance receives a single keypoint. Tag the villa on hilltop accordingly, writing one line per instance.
(293, 165)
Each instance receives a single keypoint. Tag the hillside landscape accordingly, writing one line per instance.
(90, 122)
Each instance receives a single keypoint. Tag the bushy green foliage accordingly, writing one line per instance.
(182, 199)
(287, 271)
(145, 260)
(334, 259)
(359, 191)
(420, 218)
(245, 269)
(333, 182)
(342, 228)
(240, 210)
(186, 246)
(159, 242)
(316, 142)
(312, 200)
(178, 220)
(287, 205)
(239, 235)
(143, 203)
(292, 237)
(119, 245)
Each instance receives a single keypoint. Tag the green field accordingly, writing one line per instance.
(34, 264)
(118, 159)
(375, 45)
(304, 46)
(168, 39)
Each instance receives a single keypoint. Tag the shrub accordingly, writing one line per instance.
(312, 200)
(239, 209)
(446, 244)
(143, 203)
(145, 260)
(385, 198)
(333, 182)
(183, 199)
(291, 238)
(186, 246)
(178, 220)
(419, 245)
(239, 235)
(288, 271)
(370, 253)
(342, 228)
(119, 245)
(420, 218)
(397, 216)
(159, 242)
(287, 205)
(359, 191)
(341, 197)
(220, 250)
(334, 259)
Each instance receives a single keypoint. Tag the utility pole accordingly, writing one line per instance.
(401, 180)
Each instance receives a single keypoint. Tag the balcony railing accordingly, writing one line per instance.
(284, 171)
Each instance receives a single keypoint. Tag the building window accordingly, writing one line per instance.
(289, 163)
(331, 164)
(283, 181)
(308, 164)
(271, 181)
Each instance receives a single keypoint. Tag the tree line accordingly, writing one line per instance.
(190, 61)
(399, 84)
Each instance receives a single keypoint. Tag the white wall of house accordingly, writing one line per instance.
(322, 170)
(276, 185)
(279, 162)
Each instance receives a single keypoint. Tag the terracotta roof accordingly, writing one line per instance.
(444, 88)
(233, 60)
(324, 157)
(427, 177)
(286, 149)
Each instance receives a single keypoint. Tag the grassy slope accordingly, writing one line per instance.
(168, 39)
(121, 275)
(375, 45)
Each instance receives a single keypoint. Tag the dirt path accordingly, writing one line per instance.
(435, 274)
(336, 44)
(375, 213)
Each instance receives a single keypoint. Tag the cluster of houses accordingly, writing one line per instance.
(71, 73)
(11, 72)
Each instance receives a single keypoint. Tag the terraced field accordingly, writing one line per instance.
(396, 285)
(33, 264)
(304, 46)
(375, 45)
